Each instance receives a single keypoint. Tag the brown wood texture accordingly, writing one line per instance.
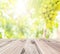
(29, 46)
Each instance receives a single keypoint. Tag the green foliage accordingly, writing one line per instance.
(0, 35)
(39, 14)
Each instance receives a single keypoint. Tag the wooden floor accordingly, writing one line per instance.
(28, 46)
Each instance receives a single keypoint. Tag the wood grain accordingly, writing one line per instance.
(29, 46)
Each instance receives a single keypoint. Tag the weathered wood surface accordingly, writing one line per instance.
(28, 46)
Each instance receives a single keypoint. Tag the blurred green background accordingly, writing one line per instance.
(22, 19)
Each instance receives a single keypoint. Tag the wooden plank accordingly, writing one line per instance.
(53, 44)
(20, 48)
(4, 42)
(7, 46)
(13, 48)
(30, 48)
(45, 48)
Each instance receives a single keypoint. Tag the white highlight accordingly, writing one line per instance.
(58, 16)
(20, 8)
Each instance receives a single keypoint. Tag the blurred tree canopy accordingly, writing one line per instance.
(28, 18)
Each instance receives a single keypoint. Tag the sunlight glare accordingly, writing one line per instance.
(58, 16)
(20, 8)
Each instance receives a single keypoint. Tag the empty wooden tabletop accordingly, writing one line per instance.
(29, 46)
